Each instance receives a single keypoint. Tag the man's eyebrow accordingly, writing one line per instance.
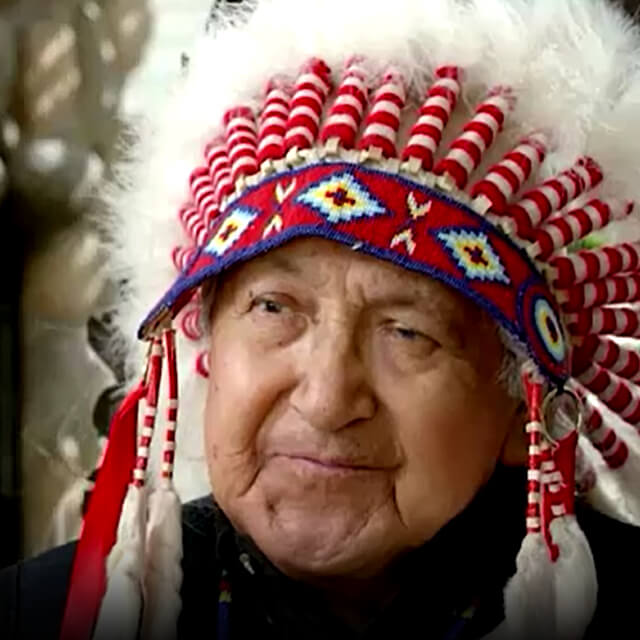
(425, 300)
(281, 263)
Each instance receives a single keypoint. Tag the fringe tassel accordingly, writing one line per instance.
(551, 600)
(163, 571)
(529, 600)
(122, 604)
(528, 597)
(575, 581)
(100, 524)
(120, 611)
(554, 591)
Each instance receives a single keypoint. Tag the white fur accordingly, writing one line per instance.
(121, 606)
(163, 572)
(573, 65)
(551, 600)
(575, 582)
(533, 583)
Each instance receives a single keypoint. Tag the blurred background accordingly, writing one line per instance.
(72, 73)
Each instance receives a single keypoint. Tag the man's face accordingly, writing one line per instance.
(353, 407)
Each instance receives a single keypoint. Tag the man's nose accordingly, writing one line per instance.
(333, 389)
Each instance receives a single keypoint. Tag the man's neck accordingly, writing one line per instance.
(358, 601)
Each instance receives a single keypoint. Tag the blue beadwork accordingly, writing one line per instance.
(231, 230)
(224, 608)
(341, 198)
(472, 251)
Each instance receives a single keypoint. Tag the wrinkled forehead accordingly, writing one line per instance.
(324, 268)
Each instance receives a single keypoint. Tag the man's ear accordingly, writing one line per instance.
(515, 448)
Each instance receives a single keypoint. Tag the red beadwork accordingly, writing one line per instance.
(190, 323)
(616, 393)
(426, 133)
(604, 320)
(533, 392)
(181, 257)
(506, 178)
(601, 292)
(193, 223)
(241, 142)
(383, 122)
(613, 449)
(539, 203)
(467, 150)
(219, 169)
(273, 123)
(563, 229)
(594, 264)
(203, 193)
(345, 115)
(168, 450)
(312, 88)
(202, 364)
(608, 354)
(150, 409)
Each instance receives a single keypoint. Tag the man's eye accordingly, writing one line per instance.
(275, 319)
(406, 333)
(266, 305)
(408, 345)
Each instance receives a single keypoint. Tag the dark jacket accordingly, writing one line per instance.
(452, 586)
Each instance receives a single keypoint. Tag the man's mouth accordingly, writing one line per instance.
(333, 463)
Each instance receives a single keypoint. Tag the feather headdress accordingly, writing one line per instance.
(474, 142)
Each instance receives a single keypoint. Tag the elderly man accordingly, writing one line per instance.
(408, 374)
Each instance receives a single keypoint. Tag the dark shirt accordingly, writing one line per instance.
(451, 587)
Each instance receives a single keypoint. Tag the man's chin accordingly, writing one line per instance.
(303, 542)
